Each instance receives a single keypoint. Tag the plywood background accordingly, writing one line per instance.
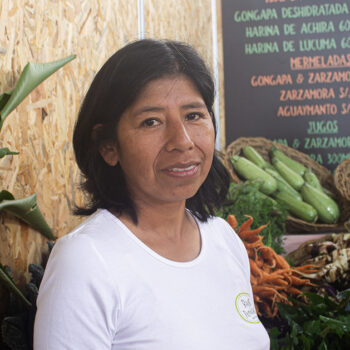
(41, 127)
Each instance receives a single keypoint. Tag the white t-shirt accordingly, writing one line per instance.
(103, 288)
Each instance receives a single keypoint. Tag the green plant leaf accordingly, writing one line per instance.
(337, 326)
(344, 300)
(32, 75)
(317, 322)
(6, 152)
(6, 195)
(27, 210)
(4, 98)
(245, 199)
(315, 298)
(13, 331)
(6, 279)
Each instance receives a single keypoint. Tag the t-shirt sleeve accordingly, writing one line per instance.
(78, 305)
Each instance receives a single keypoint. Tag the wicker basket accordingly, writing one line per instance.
(342, 183)
(263, 145)
(342, 178)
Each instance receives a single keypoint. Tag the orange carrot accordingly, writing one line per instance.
(246, 224)
(260, 262)
(284, 272)
(256, 243)
(264, 291)
(231, 219)
(293, 290)
(271, 276)
(254, 281)
(252, 254)
(296, 281)
(255, 270)
(256, 298)
(276, 282)
(246, 234)
(307, 268)
(282, 262)
(269, 255)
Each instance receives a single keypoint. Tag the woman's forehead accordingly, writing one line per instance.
(175, 86)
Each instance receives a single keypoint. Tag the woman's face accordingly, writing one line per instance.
(165, 142)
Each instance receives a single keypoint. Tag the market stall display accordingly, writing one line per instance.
(272, 277)
(288, 176)
(300, 299)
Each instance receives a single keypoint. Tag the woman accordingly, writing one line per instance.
(151, 268)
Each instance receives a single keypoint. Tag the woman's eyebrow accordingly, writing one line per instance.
(147, 109)
(191, 105)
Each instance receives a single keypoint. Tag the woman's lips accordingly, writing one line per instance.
(183, 170)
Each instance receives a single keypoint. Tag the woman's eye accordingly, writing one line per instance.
(150, 122)
(193, 116)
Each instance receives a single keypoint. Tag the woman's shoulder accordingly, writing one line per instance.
(94, 228)
(90, 239)
(220, 225)
(220, 232)
(82, 253)
(100, 218)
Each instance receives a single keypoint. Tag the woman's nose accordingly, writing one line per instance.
(178, 137)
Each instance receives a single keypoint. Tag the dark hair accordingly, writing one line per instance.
(114, 88)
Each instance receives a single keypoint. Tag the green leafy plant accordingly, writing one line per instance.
(18, 326)
(25, 209)
(320, 323)
(246, 199)
(8, 281)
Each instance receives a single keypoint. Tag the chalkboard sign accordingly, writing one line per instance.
(287, 74)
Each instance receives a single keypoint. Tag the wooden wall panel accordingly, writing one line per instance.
(41, 127)
(184, 20)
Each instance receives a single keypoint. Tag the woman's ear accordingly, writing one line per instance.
(107, 149)
(109, 152)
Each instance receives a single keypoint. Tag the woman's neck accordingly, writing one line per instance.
(169, 230)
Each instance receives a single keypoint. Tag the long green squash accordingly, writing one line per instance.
(249, 171)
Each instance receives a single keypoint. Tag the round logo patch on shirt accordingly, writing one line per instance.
(245, 308)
